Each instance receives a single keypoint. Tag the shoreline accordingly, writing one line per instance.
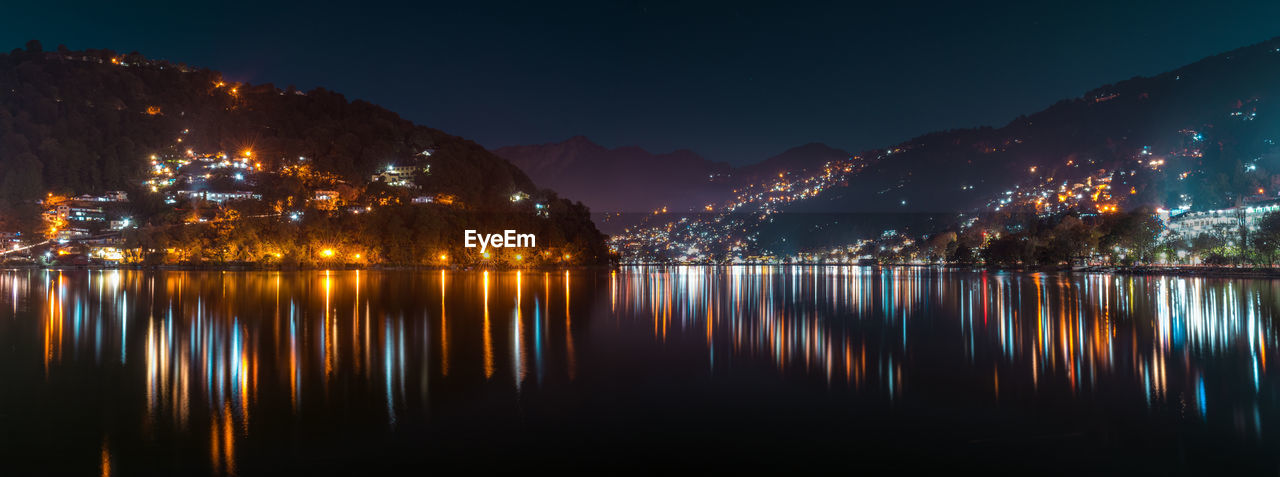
(1145, 270)
(259, 268)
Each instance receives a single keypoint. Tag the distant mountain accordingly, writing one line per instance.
(809, 157)
(630, 179)
(1203, 135)
(625, 179)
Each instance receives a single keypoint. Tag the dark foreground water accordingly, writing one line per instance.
(663, 369)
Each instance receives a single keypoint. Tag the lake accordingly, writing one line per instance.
(780, 368)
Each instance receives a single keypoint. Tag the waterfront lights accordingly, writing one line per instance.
(328, 252)
(444, 257)
(518, 257)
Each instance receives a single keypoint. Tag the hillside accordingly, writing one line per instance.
(630, 179)
(809, 157)
(1200, 136)
(85, 122)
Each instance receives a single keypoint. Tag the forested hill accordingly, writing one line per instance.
(85, 122)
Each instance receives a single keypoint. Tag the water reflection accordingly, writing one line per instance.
(1163, 336)
(218, 357)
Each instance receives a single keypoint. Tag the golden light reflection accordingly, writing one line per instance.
(857, 323)
(209, 347)
(488, 335)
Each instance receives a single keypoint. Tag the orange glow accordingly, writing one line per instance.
(328, 252)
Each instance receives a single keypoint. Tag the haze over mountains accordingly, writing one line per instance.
(631, 179)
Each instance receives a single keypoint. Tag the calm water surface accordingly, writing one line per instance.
(787, 368)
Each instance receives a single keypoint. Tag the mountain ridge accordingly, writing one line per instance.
(632, 179)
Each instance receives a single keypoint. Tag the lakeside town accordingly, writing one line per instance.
(224, 189)
(197, 206)
(1038, 226)
(1047, 224)
(176, 170)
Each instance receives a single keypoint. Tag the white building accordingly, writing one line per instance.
(1192, 224)
(396, 176)
(218, 197)
(325, 195)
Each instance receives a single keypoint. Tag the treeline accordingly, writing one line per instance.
(1016, 240)
(414, 235)
(1133, 238)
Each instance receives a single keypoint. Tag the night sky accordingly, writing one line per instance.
(736, 81)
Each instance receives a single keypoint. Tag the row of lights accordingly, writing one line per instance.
(444, 257)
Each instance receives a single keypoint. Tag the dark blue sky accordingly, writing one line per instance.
(734, 81)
